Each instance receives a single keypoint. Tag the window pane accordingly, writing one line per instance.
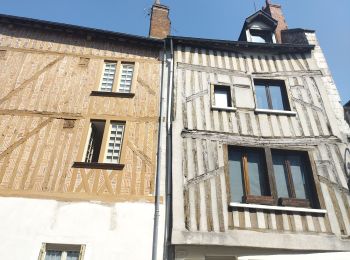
(235, 172)
(126, 78)
(114, 142)
(257, 176)
(261, 97)
(94, 142)
(276, 97)
(222, 97)
(280, 175)
(71, 255)
(53, 255)
(108, 77)
(298, 175)
(261, 36)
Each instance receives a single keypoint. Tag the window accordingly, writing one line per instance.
(271, 95)
(222, 96)
(248, 174)
(111, 82)
(290, 171)
(261, 36)
(114, 142)
(126, 77)
(252, 181)
(61, 252)
(96, 139)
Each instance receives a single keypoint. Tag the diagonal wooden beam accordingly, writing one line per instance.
(25, 138)
(31, 79)
(24, 112)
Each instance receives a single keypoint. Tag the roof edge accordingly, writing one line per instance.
(226, 44)
(49, 25)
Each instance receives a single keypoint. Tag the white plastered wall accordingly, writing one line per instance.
(109, 231)
(332, 91)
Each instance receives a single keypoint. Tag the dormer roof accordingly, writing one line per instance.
(259, 16)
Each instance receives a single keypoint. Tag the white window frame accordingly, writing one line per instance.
(102, 158)
(64, 248)
(111, 123)
(117, 79)
(214, 106)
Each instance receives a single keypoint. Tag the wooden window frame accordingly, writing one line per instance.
(284, 92)
(317, 200)
(64, 248)
(116, 82)
(100, 164)
(212, 97)
(247, 197)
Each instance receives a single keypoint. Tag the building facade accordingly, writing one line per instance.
(258, 143)
(116, 146)
(79, 117)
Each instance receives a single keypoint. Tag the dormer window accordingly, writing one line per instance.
(261, 36)
(260, 28)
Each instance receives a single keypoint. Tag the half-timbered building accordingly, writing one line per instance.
(258, 143)
(79, 117)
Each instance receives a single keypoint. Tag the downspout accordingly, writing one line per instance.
(159, 168)
(167, 255)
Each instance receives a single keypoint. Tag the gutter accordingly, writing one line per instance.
(167, 254)
(159, 170)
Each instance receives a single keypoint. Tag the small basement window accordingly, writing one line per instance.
(261, 36)
(61, 252)
(222, 96)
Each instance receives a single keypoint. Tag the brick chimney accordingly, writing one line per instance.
(160, 22)
(276, 12)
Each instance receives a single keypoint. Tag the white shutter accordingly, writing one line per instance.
(126, 78)
(108, 77)
(114, 142)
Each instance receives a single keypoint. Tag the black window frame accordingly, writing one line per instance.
(267, 35)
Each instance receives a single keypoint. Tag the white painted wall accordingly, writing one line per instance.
(109, 231)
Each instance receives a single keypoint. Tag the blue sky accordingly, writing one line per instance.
(219, 19)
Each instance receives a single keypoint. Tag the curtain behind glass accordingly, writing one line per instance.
(72, 255)
(235, 172)
(256, 173)
(280, 175)
(53, 255)
(298, 176)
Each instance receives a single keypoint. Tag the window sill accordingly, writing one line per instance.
(101, 166)
(111, 94)
(277, 208)
(275, 112)
(230, 109)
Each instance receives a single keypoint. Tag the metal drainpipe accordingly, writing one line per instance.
(159, 153)
(167, 254)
